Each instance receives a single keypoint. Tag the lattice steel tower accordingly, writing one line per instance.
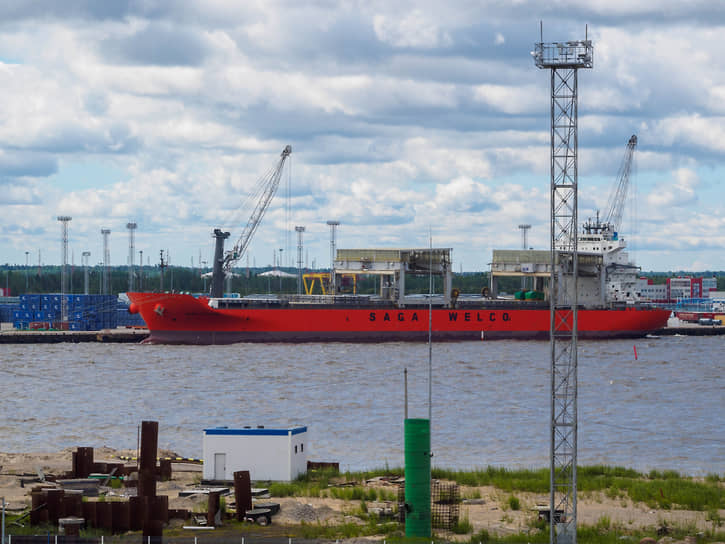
(131, 252)
(64, 220)
(84, 259)
(524, 246)
(106, 262)
(333, 227)
(564, 59)
(299, 230)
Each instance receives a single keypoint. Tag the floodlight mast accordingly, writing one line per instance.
(564, 59)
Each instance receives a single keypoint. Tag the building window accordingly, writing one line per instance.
(302, 447)
(295, 449)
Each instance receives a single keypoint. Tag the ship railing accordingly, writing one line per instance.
(333, 299)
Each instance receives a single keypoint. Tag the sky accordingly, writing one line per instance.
(410, 123)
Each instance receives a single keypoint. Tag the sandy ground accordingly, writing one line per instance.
(489, 510)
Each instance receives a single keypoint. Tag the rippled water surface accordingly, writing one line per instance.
(491, 404)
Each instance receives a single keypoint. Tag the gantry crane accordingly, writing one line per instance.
(263, 192)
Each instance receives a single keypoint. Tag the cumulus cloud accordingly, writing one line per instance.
(401, 117)
(680, 192)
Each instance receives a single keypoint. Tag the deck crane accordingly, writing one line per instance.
(615, 205)
(265, 190)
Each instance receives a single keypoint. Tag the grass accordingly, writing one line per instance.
(657, 489)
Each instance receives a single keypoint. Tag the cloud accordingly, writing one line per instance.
(413, 30)
(159, 44)
(401, 116)
(21, 164)
(681, 192)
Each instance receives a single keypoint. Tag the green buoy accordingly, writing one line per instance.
(417, 477)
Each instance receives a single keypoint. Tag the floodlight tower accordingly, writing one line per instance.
(64, 220)
(131, 252)
(564, 59)
(333, 228)
(106, 262)
(524, 246)
(299, 231)
(84, 257)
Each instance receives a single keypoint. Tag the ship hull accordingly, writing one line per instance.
(183, 319)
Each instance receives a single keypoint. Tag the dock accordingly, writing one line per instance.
(136, 335)
(691, 330)
(119, 335)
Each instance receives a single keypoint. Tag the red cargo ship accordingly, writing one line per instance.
(184, 319)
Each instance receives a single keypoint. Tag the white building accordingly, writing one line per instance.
(651, 292)
(268, 454)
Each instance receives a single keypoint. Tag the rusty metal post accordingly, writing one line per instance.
(54, 501)
(242, 493)
(211, 514)
(82, 462)
(165, 470)
(147, 459)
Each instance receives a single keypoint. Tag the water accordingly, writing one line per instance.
(491, 404)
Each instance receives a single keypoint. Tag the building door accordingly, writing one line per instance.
(220, 466)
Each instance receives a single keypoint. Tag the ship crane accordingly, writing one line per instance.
(265, 189)
(610, 225)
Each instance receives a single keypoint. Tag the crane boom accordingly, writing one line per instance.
(267, 187)
(615, 204)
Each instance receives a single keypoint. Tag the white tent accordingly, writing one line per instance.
(276, 274)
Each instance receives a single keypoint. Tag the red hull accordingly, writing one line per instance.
(183, 319)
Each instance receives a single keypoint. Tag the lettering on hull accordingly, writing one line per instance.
(392, 316)
(479, 317)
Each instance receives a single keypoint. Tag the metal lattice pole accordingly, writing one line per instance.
(333, 226)
(131, 253)
(64, 220)
(106, 262)
(299, 230)
(524, 246)
(564, 60)
(84, 257)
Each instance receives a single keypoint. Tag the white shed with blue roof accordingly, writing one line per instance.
(268, 454)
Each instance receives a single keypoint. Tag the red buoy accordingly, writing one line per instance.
(133, 308)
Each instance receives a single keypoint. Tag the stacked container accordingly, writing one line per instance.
(84, 312)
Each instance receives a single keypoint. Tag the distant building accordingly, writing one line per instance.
(651, 292)
(681, 287)
(688, 287)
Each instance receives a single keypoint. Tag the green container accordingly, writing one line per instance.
(534, 295)
(417, 477)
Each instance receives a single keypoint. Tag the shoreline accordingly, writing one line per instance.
(136, 335)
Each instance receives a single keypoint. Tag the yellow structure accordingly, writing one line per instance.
(311, 280)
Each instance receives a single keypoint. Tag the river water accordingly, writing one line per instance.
(664, 410)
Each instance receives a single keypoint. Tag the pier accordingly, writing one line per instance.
(119, 335)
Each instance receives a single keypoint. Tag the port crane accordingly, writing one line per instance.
(609, 227)
(264, 192)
